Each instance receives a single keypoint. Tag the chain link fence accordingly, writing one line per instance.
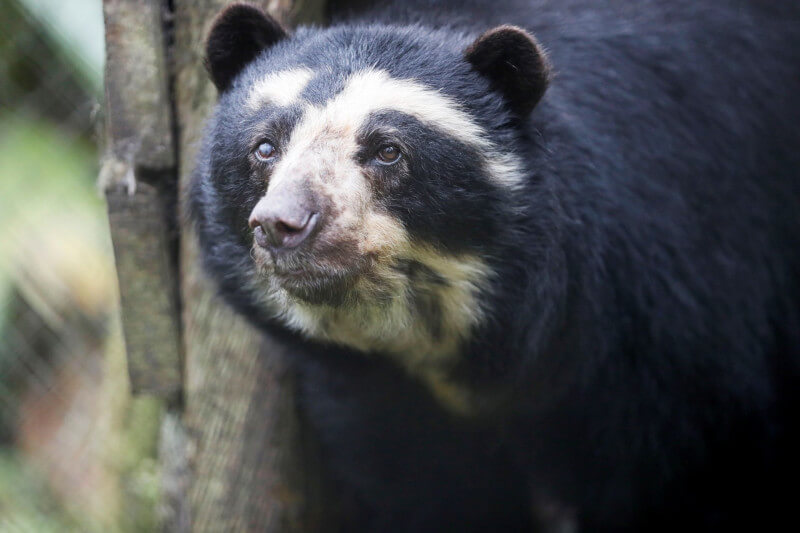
(77, 453)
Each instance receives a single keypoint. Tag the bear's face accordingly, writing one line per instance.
(355, 181)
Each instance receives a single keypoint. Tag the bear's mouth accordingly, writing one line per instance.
(309, 277)
(317, 286)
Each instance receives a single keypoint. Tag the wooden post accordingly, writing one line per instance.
(234, 451)
(137, 174)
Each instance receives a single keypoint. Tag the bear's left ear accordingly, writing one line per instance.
(514, 63)
(237, 36)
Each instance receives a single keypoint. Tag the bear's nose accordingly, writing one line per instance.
(279, 225)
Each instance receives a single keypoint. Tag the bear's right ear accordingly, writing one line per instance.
(514, 63)
(237, 36)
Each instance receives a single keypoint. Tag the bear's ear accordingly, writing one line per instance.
(237, 36)
(515, 64)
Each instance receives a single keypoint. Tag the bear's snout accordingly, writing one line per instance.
(284, 219)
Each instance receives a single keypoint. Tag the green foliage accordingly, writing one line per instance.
(54, 238)
(46, 182)
(26, 505)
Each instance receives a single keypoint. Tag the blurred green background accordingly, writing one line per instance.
(77, 453)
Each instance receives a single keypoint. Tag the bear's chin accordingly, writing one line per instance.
(317, 288)
(311, 278)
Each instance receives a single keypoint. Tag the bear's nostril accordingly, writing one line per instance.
(261, 236)
(283, 227)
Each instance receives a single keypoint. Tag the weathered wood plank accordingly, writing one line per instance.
(146, 282)
(137, 95)
(138, 175)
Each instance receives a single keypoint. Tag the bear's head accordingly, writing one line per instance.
(357, 182)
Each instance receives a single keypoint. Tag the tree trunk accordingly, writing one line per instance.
(235, 453)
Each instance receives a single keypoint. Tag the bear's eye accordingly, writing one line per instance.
(388, 155)
(265, 152)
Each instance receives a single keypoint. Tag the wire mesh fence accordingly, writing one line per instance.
(76, 451)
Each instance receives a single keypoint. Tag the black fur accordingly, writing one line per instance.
(639, 369)
(515, 64)
(239, 33)
(440, 195)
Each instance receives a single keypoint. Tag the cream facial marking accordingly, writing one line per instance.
(369, 91)
(279, 88)
(407, 300)
(383, 311)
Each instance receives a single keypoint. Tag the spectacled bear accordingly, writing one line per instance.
(541, 283)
